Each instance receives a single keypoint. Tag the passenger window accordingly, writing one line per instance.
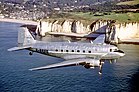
(78, 50)
(67, 51)
(89, 51)
(72, 50)
(61, 50)
(110, 50)
(56, 50)
(83, 51)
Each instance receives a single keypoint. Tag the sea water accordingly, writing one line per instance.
(15, 76)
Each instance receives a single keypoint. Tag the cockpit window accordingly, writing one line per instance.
(120, 51)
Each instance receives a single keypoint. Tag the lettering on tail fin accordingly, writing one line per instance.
(25, 37)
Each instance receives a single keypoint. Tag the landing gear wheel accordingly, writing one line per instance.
(30, 53)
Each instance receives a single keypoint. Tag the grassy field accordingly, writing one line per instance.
(134, 2)
(89, 17)
(68, 16)
(119, 17)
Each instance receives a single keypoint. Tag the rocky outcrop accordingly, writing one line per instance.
(43, 27)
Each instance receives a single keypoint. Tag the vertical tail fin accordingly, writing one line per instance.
(25, 37)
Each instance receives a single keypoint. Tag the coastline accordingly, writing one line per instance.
(29, 22)
(130, 41)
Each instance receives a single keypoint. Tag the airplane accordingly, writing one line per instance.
(88, 55)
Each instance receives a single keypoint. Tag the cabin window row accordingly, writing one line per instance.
(72, 51)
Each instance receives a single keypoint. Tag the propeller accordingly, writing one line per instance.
(100, 67)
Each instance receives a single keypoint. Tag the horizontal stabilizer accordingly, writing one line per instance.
(18, 48)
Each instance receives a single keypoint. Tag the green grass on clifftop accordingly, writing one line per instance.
(119, 17)
(89, 17)
(133, 2)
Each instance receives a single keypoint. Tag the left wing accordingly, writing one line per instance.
(74, 62)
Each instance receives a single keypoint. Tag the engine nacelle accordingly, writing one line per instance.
(92, 63)
(87, 66)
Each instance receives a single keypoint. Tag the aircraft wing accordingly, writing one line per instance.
(100, 39)
(18, 48)
(73, 62)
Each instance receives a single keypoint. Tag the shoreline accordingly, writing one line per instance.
(18, 21)
(130, 41)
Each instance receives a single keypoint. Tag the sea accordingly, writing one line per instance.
(120, 76)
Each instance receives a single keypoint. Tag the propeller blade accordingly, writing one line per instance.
(100, 67)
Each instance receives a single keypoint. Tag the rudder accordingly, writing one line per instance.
(25, 37)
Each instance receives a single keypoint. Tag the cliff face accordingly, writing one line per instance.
(120, 32)
(114, 32)
(74, 26)
(130, 30)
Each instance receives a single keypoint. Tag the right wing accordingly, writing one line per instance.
(100, 39)
(73, 62)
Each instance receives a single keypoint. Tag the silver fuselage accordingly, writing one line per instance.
(76, 50)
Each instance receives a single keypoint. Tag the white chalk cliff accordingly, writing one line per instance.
(123, 32)
(114, 32)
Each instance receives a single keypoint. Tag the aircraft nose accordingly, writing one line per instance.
(120, 52)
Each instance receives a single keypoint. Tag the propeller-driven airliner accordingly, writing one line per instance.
(88, 55)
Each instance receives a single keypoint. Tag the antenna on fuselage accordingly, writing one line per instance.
(69, 41)
(91, 42)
